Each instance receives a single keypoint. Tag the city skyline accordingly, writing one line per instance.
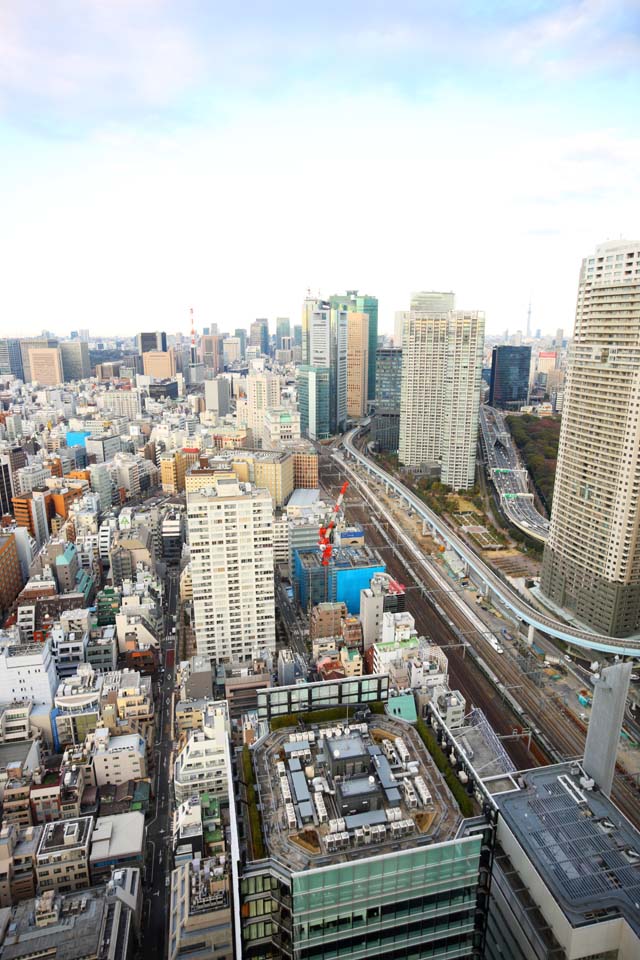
(149, 152)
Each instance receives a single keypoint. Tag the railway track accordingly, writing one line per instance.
(560, 734)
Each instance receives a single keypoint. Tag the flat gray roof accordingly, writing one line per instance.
(302, 497)
(585, 849)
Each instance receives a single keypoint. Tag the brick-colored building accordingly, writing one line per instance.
(10, 572)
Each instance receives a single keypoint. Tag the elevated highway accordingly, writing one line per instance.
(493, 581)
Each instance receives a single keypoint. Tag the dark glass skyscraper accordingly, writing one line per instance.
(510, 368)
(385, 426)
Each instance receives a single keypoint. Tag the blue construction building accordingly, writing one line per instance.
(349, 571)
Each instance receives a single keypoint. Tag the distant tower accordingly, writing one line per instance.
(194, 352)
(529, 320)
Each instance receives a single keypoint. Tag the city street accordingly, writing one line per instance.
(159, 827)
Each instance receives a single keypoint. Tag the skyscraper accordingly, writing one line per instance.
(231, 538)
(324, 346)
(314, 384)
(357, 364)
(591, 561)
(440, 395)
(363, 303)
(242, 337)
(29, 344)
(283, 329)
(11, 358)
(263, 391)
(151, 341)
(212, 352)
(385, 424)
(259, 335)
(75, 360)
(510, 369)
(45, 364)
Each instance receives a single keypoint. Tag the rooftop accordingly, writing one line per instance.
(342, 557)
(584, 848)
(65, 834)
(117, 836)
(302, 497)
(336, 793)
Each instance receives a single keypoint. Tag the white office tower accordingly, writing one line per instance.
(324, 347)
(230, 528)
(592, 557)
(263, 392)
(440, 395)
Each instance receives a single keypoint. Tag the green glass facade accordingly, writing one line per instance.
(361, 303)
(412, 904)
(314, 391)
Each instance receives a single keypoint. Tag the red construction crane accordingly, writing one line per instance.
(326, 532)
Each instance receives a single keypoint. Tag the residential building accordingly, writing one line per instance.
(357, 364)
(45, 364)
(591, 563)
(231, 543)
(118, 759)
(62, 860)
(18, 848)
(201, 766)
(200, 915)
(27, 672)
(75, 360)
(510, 371)
(364, 304)
(440, 395)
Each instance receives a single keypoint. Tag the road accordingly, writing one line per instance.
(563, 732)
(508, 475)
(493, 579)
(159, 827)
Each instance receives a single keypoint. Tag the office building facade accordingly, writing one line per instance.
(314, 387)
(510, 370)
(75, 360)
(151, 341)
(440, 394)
(259, 336)
(357, 364)
(11, 358)
(356, 302)
(591, 561)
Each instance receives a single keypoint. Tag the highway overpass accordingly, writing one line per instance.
(495, 582)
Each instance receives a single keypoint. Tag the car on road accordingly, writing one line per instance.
(568, 658)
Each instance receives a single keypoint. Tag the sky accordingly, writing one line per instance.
(158, 155)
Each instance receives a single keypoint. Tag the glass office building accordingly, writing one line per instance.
(510, 366)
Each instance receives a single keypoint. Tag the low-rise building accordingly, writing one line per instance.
(118, 759)
(200, 766)
(116, 842)
(200, 918)
(62, 861)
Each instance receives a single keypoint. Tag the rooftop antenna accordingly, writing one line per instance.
(194, 358)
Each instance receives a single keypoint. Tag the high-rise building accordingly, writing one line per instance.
(217, 396)
(357, 364)
(11, 358)
(231, 350)
(283, 329)
(211, 350)
(324, 346)
(297, 335)
(263, 392)
(259, 336)
(159, 364)
(231, 539)
(29, 344)
(45, 365)
(151, 341)
(440, 395)
(428, 301)
(6, 484)
(242, 337)
(363, 303)
(510, 369)
(314, 387)
(385, 424)
(591, 561)
(75, 360)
